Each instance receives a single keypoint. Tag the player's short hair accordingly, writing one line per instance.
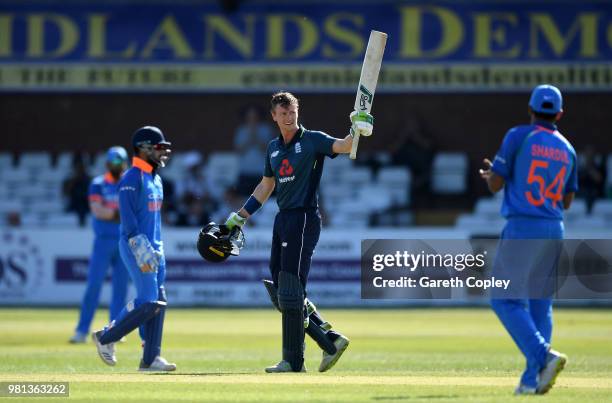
(283, 99)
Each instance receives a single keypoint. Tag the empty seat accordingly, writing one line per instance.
(350, 214)
(334, 168)
(356, 176)
(449, 173)
(66, 220)
(383, 157)
(374, 198)
(174, 169)
(334, 194)
(35, 160)
(98, 166)
(222, 169)
(32, 220)
(577, 210)
(588, 223)
(609, 171)
(479, 223)
(15, 177)
(488, 207)
(10, 206)
(6, 160)
(50, 206)
(64, 161)
(397, 182)
(602, 208)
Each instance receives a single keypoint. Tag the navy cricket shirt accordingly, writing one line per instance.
(297, 167)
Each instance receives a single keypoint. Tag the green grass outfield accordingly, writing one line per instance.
(416, 355)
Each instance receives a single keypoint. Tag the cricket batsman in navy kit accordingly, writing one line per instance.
(293, 166)
(141, 248)
(536, 166)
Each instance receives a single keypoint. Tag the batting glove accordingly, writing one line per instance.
(362, 123)
(146, 257)
(235, 220)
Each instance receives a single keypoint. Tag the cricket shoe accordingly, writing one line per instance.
(105, 351)
(329, 360)
(555, 362)
(78, 338)
(524, 390)
(159, 364)
(283, 366)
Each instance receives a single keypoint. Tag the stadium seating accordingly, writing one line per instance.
(449, 173)
(577, 212)
(37, 161)
(222, 169)
(6, 161)
(603, 208)
(608, 187)
(32, 188)
(396, 181)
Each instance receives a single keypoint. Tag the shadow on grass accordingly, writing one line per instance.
(404, 397)
(199, 373)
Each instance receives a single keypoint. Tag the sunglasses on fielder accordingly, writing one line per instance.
(157, 147)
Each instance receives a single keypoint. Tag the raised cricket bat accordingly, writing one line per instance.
(369, 78)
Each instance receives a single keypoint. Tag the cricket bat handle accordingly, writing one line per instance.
(354, 146)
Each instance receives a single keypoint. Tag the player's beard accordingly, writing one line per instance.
(161, 162)
(116, 172)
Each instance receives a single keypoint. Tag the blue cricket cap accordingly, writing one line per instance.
(546, 99)
(116, 155)
(149, 135)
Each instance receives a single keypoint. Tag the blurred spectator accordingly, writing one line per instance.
(193, 213)
(75, 188)
(13, 219)
(232, 201)
(195, 200)
(250, 141)
(414, 148)
(591, 176)
(193, 183)
(169, 208)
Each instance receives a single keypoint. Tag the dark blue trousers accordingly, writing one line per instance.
(295, 236)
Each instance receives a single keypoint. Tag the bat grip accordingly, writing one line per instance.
(354, 146)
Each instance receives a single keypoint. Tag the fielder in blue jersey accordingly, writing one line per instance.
(537, 168)
(293, 166)
(141, 248)
(104, 206)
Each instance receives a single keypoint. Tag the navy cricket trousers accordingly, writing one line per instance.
(294, 238)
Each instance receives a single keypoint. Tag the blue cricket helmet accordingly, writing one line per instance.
(546, 99)
(116, 155)
(149, 135)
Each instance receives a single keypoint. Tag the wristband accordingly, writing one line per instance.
(251, 205)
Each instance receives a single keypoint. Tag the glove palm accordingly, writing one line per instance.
(362, 123)
(147, 258)
(235, 220)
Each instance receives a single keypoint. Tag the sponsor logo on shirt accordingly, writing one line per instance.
(298, 148)
(155, 204)
(274, 154)
(286, 169)
(287, 179)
